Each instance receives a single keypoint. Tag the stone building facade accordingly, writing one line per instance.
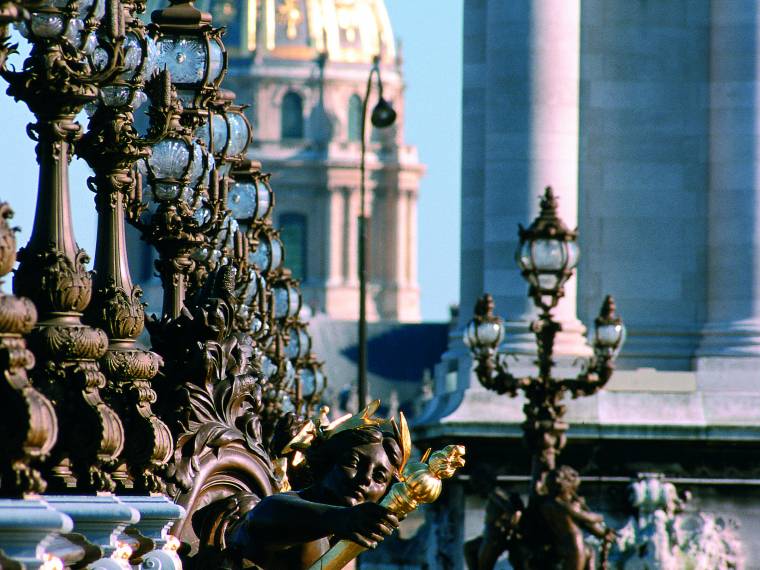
(305, 64)
(643, 117)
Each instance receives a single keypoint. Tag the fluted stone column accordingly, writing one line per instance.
(531, 141)
(733, 257)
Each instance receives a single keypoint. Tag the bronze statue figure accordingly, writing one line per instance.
(351, 470)
(567, 517)
(549, 531)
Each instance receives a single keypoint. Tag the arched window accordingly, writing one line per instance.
(292, 116)
(354, 118)
(293, 235)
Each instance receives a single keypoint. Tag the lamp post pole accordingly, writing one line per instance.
(382, 116)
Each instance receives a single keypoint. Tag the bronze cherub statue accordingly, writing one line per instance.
(353, 463)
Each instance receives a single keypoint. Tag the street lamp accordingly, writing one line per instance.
(547, 256)
(382, 116)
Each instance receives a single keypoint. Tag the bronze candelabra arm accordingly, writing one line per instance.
(493, 373)
(609, 336)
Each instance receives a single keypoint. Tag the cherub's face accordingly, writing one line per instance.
(361, 474)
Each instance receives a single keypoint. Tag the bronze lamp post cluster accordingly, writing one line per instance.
(96, 411)
(547, 257)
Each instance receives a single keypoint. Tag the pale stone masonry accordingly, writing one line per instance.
(316, 172)
(643, 117)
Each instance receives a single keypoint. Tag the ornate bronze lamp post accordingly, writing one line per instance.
(179, 179)
(382, 116)
(111, 147)
(71, 57)
(547, 256)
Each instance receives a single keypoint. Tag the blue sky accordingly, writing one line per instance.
(431, 33)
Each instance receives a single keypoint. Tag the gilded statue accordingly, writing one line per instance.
(362, 484)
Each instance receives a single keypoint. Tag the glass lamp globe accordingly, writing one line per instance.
(139, 65)
(546, 261)
(191, 50)
(267, 255)
(383, 115)
(287, 300)
(312, 379)
(484, 334)
(486, 330)
(52, 19)
(547, 254)
(609, 330)
(299, 343)
(214, 133)
(240, 132)
(249, 197)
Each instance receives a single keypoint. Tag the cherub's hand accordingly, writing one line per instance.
(366, 524)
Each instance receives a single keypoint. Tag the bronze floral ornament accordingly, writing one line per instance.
(27, 418)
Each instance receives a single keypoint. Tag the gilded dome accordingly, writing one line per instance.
(349, 31)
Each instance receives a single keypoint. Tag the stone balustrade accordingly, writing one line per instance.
(101, 532)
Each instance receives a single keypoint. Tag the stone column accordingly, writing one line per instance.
(532, 114)
(733, 255)
(334, 224)
(730, 345)
(411, 245)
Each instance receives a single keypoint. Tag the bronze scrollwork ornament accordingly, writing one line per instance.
(27, 419)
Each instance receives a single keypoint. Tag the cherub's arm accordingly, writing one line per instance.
(592, 522)
(286, 519)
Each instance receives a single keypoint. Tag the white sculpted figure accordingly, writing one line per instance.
(664, 537)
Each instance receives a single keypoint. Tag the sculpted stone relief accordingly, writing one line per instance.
(666, 536)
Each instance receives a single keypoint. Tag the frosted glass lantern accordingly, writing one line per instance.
(174, 167)
(299, 343)
(548, 253)
(249, 199)
(287, 301)
(192, 50)
(609, 330)
(484, 333)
